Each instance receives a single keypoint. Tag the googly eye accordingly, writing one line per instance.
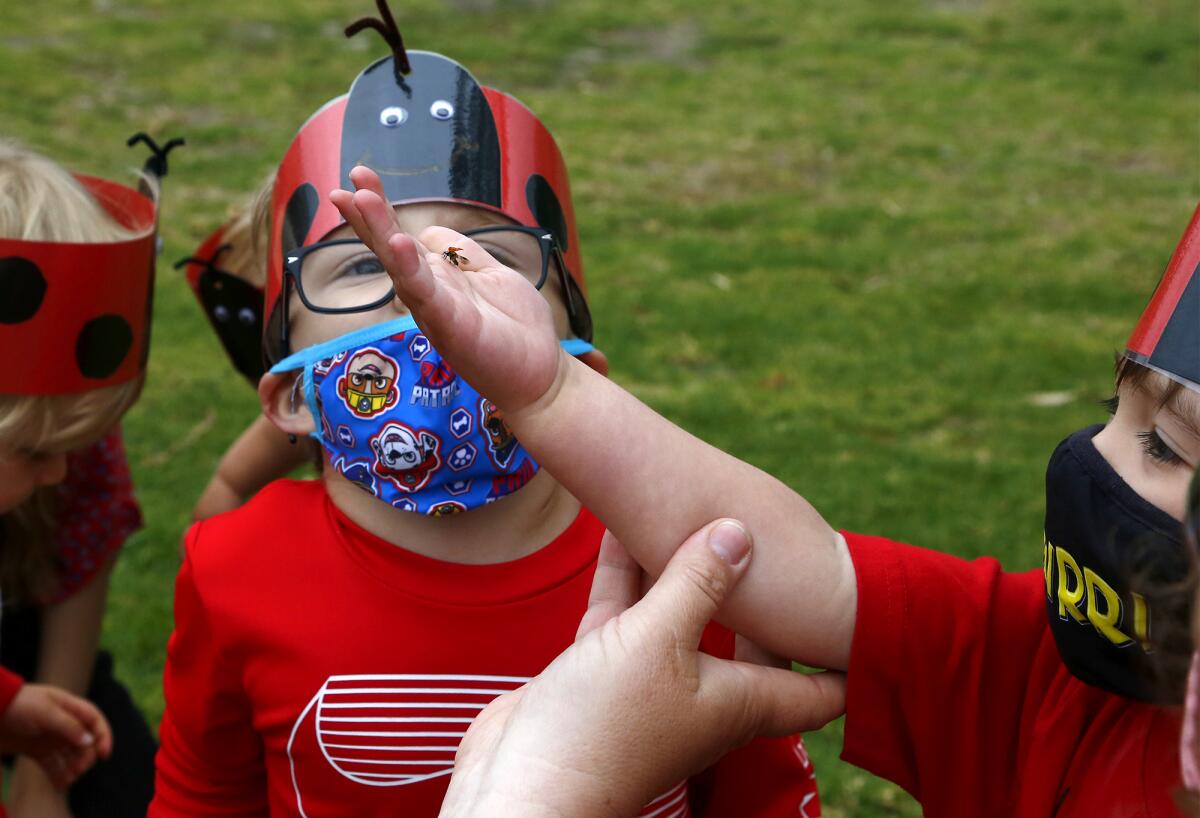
(246, 316)
(393, 116)
(221, 313)
(441, 109)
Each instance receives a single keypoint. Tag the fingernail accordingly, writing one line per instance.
(730, 541)
(87, 740)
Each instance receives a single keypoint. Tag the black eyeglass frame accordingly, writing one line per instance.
(579, 316)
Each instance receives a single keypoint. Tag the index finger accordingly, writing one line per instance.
(93, 721)
(614, 588)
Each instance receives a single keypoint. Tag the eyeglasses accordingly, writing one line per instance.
(344, 276)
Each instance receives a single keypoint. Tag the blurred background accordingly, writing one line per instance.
(885, 251)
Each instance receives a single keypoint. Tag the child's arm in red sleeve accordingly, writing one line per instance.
(10, 685)
(943, 671)
(210, 761)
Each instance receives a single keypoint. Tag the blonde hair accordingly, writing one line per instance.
(248, 235)
(41, 201)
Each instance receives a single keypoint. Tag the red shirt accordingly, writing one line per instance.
(317, 670)
(95, 513)
(956, 692)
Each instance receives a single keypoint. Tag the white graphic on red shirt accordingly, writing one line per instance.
(393, 730)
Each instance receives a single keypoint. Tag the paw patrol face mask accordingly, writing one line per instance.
(400, 424)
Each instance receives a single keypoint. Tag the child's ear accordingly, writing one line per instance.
(283, 404)
(596, 360)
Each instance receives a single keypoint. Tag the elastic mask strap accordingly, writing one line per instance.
(342, 343)
(576, 347)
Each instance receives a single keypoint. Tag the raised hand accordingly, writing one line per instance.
(493, 327)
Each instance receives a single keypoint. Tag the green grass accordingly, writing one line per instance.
(848, 241)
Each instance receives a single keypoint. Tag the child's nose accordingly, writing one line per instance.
(52, 470)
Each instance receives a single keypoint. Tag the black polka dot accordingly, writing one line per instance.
(22, 288)
(544, 205)
(102, 346)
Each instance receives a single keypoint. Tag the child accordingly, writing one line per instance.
(227, 274)
(334, 638)
(1189, 740)
(76, 265)
(980, 692)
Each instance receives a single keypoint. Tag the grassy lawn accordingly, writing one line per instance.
(885, 251)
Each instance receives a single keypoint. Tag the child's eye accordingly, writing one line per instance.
(367, 265)
(1155, 447)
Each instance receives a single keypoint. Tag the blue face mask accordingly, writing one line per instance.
(403, 426)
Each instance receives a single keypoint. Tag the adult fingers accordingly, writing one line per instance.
(746, 651)
(615, 588)
(697, 580)
(770, 701)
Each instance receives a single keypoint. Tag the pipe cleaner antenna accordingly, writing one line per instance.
(209, 264)
(156, 162)
(385, 24)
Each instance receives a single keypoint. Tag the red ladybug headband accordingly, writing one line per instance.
(433, 133)
(75, 316)
(1167, 336)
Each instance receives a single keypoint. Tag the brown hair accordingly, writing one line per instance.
(41, 201)
(1171, 599)
(1188, 801)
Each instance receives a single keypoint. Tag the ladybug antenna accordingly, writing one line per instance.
(209, 264)
(385, 24)
(156, 162)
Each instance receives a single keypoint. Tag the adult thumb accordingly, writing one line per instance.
(697, 580)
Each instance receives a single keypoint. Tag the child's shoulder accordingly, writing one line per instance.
(262, 525)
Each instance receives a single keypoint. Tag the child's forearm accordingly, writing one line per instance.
(261, 454)
(653, 484)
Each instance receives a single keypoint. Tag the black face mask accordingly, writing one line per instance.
(1107, 553)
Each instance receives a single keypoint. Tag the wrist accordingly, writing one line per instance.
(530, 414)
(28, 778)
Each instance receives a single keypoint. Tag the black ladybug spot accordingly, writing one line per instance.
(546, 209)
(102, 345)
(22, 288)
(298, 216)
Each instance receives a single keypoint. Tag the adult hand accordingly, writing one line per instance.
(633, 707)
(63, 733)
(484, 318)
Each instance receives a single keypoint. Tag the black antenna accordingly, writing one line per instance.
(209, 264)
(387, 28)
(156, 163)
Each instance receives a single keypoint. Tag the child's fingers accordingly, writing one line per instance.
(615, 586)
(378, 223)
(343, 200)
(62, 724)
(97, 733)
(409, 270)
(366, 179)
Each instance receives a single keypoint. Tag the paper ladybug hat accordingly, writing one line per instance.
(232, 304)
(76, 316)
(1167, 337)
(432, 133)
